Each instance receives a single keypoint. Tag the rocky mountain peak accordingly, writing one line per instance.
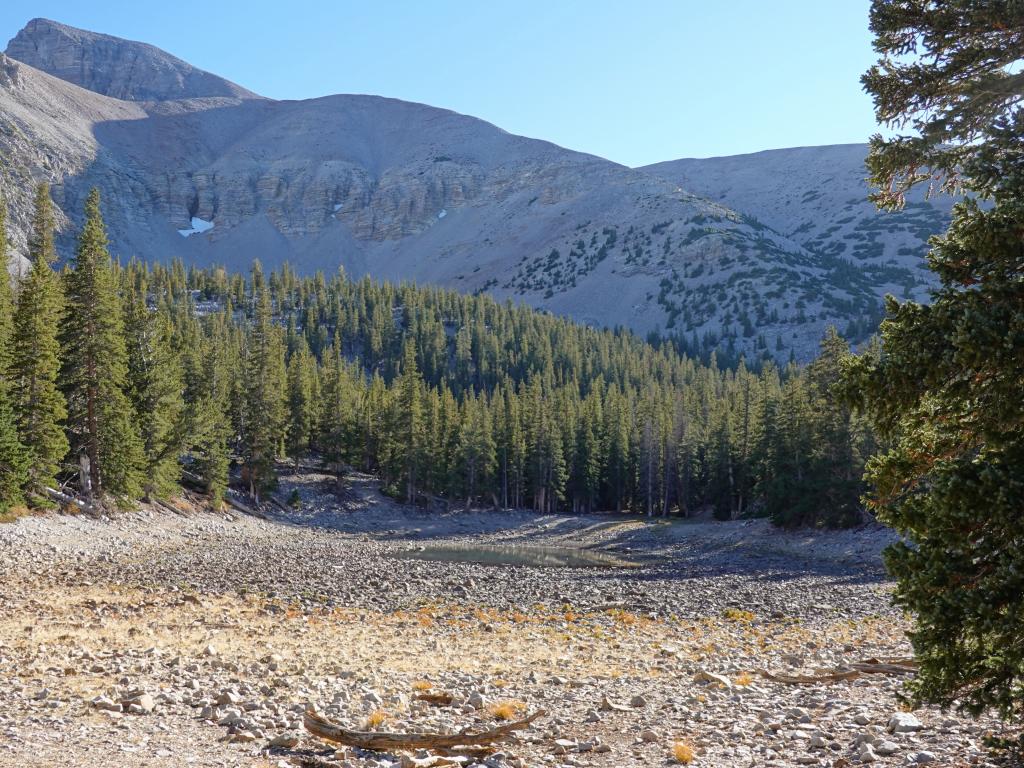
(112, 66)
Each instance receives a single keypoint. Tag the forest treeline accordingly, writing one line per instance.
(116, 380)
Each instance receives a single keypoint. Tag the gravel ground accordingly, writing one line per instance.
(198, 638)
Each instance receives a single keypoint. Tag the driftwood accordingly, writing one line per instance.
(831, 677)
(607, 705)
(382, 741)
(850, 672)
(234, 504)
(170, 508)
(279, 504)
(437, 699)
(64, 498)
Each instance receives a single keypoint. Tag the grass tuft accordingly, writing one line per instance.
(506, 710)
(682, 752)
(376, 719)
(744, 678)
(737, 614)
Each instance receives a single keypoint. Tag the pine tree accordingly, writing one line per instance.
(156, 388)
(476, 447)
(408, 431)
(209, 426)
(946, 390)
(14, 459)
(102, 425)
(6, 296)
(301, 402)
(13, 456)
(265, 405)
(40, 238)
(39, 407)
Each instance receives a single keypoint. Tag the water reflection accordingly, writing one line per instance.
(516, 554)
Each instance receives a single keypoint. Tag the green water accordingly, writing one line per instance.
(516, 554)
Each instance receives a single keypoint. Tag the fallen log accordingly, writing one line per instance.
(436, 699)
(169, 508)
(382, 741)
(242, 508)
(849, 672)
(888, 667)
(832, 677)
(60, 496)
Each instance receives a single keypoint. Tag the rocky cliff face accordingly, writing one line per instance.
(123, 69)
(406, 191)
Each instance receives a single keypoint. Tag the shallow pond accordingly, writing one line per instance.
(516, 554)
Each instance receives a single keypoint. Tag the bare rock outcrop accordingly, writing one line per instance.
(124, 69)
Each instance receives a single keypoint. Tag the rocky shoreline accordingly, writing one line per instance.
(197, 638)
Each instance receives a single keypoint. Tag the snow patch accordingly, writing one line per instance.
(337, 207)
(442, 214)
(198, 227)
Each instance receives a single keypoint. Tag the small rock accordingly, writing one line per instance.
(887, 748)
(285, 740)
(104, 703)
(904, 722)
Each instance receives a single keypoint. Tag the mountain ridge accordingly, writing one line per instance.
(112, 66)
(406, 191)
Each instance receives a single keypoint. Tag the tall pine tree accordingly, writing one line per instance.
(156, 390)
(265, 412)
(946, 390)
(13, 457)
(34, 366)
(102, 425)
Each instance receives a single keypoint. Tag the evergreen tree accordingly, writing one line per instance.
(39, 407)
(301, 378)
(476, 447)
(13, 457)
(945, 393)
(102, 425)
(408, 431)
(265, 411)
(6, 296)
(156, 388)
(209, 427)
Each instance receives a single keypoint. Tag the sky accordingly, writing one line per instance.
(635, 82)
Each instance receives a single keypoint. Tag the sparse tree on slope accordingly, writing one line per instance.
(946, 390)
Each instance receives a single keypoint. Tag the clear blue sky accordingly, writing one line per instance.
(636, 82)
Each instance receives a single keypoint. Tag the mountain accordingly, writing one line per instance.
(818, 197)
(194, 167)
(114, 67)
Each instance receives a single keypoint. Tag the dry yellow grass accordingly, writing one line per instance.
(737, 614)
(507, 709)
(682, 752)
(376, 718)
(13, 514)
(744, 678)
(421, 685)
